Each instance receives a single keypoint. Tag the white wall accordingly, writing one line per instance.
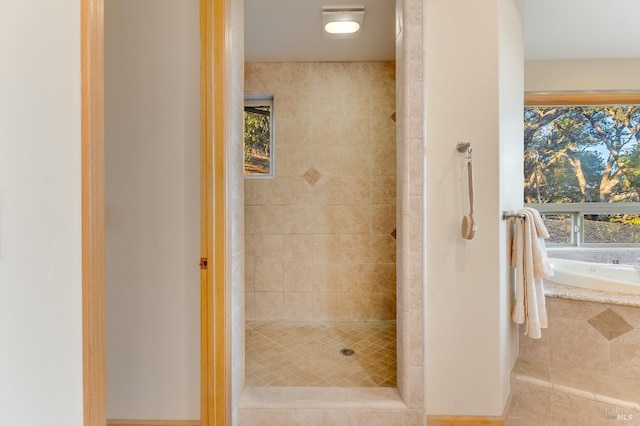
(40, 216)
(474, 85)
(152, 142)
(568, 75)
(235, 204)
(511, 100)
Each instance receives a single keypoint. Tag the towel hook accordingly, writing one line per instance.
(465, 147)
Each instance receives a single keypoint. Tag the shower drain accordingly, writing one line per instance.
(347, 352)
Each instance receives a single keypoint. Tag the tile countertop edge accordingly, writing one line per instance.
(562, 291)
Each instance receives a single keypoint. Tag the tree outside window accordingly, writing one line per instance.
(258, 137)
(585, 154)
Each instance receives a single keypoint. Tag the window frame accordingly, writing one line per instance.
(577, 211)
(262, 100)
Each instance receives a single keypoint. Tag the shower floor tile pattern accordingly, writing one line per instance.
(284, 353)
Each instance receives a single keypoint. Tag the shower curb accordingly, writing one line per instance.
(321, 397)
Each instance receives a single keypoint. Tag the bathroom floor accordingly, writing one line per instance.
(284, 353)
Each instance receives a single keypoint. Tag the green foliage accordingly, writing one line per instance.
(257, 135)
(581, 154)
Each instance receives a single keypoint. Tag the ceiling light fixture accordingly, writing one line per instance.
(344, 20)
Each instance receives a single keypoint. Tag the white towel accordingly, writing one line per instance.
(529, 258)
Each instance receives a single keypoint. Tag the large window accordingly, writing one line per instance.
(582, 170)
(258, 137)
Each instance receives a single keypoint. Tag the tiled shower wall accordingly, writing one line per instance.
(321, 235)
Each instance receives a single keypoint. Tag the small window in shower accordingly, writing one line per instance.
(258, 136)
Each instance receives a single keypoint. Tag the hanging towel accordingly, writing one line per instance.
(529, 258)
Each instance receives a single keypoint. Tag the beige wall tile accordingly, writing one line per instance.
(327, 306)
(249, 272)
(573, 309)
(571, 410)
(327, 249)
(298, 277)
(416, 158)
(383, 249)
(250, 306)
(383, 219)
(384, 278)
(327, 277)
(298, 248)
(610, 324)
(269, 305)
(415, 224)
(356, 190)
(293, 160)
(530, 399)
(578, 344)
(534, 348)
(259, 192)
(341, 219)
(317, 417)
(263, 417)
(416, 338)
(327, 161)
(298, 306)
(416, 387)
(354, 129)
(536, 369)
(298, 219)
(631, 314)
(415, 282)
(267, 248)
(369, 417)
(267, 220)
(383, 305)
(327, 190)
(625, 354)
(383, 160)
(356, 248)
(358, 161)
(248, 220)
(327, 231)
(269, 277)
(357, 306)
(383, 190)
(359, 277)
(292, 190)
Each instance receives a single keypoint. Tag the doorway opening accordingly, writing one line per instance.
(320, 236)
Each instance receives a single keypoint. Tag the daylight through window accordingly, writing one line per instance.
(258, 137)
(582, 171)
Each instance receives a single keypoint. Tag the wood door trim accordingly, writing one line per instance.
(92, 142)
(214, 90)
(214, 373)
(120, 422)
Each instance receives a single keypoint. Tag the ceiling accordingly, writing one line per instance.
(291, 30)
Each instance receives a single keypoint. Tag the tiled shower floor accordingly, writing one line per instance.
(283, 353)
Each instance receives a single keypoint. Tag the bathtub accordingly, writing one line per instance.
(596, 276)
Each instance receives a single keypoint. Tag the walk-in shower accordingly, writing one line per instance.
(320, 235)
